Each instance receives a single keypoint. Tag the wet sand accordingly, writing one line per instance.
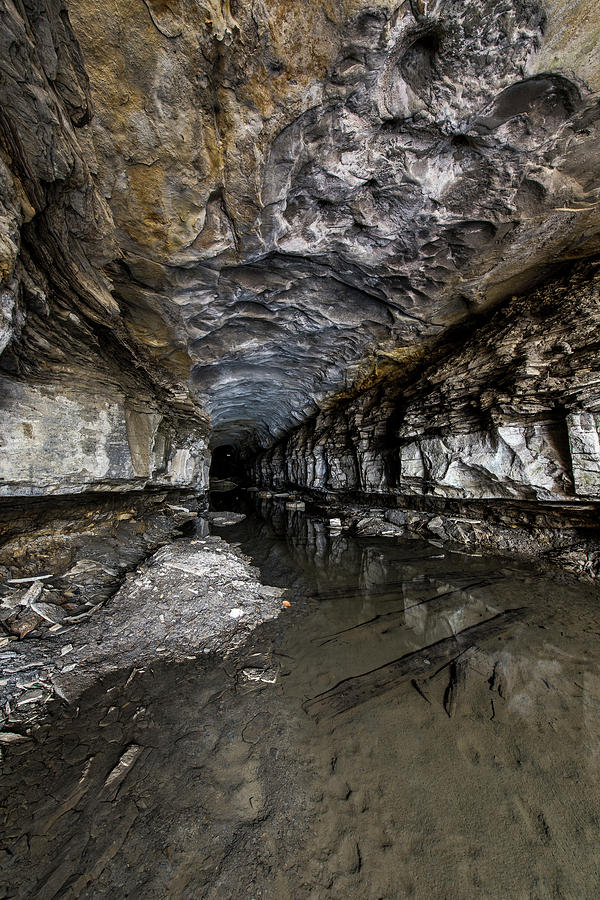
(214, 780)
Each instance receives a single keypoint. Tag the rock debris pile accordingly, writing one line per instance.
(192, 597)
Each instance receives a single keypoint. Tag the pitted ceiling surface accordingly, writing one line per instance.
(434, 175)
(295, 191)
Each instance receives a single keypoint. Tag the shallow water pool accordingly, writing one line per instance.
(418, 723)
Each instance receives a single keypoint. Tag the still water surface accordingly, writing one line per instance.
(307, 767)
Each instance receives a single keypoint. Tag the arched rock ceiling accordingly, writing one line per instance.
(296, 187)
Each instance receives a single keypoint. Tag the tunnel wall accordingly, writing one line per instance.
(228, 214)
(93, 394)
(510, 410)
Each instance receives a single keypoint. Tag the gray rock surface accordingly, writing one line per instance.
(194, 596)
(60, 439)
(240, 213)
(509, 411)
(85, 403)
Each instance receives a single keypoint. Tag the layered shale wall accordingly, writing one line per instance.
(490, 438)
(221, 221)
(84, 403)
(509, 410)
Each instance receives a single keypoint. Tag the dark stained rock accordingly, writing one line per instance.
(209, 211)
(507, 410)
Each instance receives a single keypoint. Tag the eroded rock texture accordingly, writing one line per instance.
(230, 208)
(509, 410)
(314, 183)
(240, 211)
(84, 403)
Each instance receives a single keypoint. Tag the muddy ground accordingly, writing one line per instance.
(211, 779)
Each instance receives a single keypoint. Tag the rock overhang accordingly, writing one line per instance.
(436, 174)
(283, 210)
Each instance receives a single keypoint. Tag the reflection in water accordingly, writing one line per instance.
(474, 777)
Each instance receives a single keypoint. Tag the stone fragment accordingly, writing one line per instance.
(266, 676)
(221, 519)
(127, 760)
(11, 737)
(26, 622)
(49, 612)
(270, 590)
(30, 697)
(27, 580)
(32, 594)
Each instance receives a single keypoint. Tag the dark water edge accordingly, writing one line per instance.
(476, 778)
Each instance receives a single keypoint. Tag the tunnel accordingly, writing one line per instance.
(299, 449)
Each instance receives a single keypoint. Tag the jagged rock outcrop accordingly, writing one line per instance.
(85, 402)
(234, 212)
(231, 210)
(509, 410)
(67, 436)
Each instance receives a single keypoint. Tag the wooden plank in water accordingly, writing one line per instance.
(358, 689)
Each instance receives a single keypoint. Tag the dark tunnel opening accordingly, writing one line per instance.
(226, 464)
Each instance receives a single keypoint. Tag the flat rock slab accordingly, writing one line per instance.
(191, 597)
(222, 485)
(220, 519)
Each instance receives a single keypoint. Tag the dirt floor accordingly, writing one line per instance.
(212, 779)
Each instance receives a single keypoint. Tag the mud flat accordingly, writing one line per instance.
(209, 777)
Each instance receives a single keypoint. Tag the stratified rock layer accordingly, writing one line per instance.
(230, 211)
(85, 403)
(507, 411)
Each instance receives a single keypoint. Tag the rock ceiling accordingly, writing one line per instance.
(270, 196)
